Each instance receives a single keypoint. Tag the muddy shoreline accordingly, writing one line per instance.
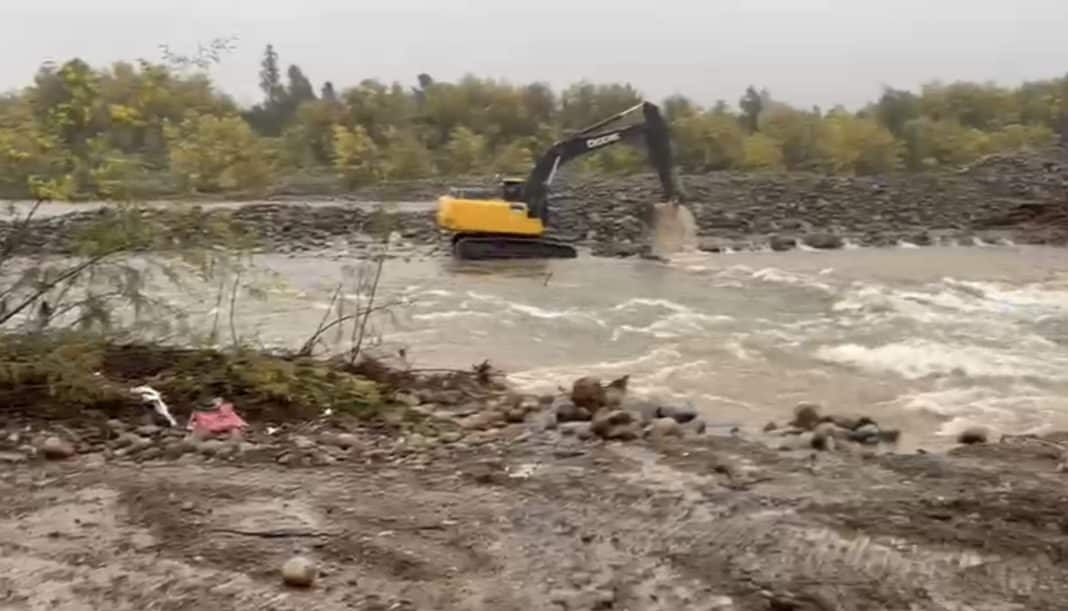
(1020, 198)
(460, 494)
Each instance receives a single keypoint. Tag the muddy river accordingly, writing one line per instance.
(930, 340)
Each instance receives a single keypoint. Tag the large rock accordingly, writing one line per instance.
(780, 243)
(54, 448)
(299, 572)
(587, 392)
(823, 241)
(616, 424)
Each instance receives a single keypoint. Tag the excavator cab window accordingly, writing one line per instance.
(512, 189)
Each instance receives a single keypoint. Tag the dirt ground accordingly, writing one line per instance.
(547, 522)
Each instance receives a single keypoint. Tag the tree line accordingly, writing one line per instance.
(142, 129)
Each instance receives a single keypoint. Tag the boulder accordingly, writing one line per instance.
(587, 392)
(866, 433)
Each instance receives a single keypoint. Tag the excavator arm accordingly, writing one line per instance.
(652, 130)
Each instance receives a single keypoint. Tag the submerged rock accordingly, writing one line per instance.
(973, 435)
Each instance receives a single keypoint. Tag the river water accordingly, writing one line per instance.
(929, 340)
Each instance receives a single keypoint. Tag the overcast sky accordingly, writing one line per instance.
(805, 51)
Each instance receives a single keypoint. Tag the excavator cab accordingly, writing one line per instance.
(510, 224)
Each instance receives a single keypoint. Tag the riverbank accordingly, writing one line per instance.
(456, 493)
(1018, 198)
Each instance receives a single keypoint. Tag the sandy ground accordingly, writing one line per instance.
(546, 523)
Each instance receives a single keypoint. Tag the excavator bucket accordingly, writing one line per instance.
(672, 229)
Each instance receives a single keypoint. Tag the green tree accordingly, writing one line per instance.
(213, 154)
(858, 146)
(708, 141)
(761, 152)
(406, 157)
(801, 134)
(466, 152)
(356, 157)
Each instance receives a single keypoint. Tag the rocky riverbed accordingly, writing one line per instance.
(470, 496)
(1020, 197)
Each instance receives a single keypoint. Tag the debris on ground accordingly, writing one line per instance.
(152, 398)
(220, 419)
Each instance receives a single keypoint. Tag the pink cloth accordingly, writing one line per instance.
(217, 422)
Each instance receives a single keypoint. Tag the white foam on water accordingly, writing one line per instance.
(906, 245)
(778, 276)
(532, 311)
(1020, 409)
(918, 358)
(451, 315)
(680, 324)
(639, 302)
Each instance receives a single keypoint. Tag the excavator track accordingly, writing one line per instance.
(483, 247)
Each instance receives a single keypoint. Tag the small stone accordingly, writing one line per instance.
(54, 448)
(680, 414)
(582, 430)
(345, 441)
(150, 453)
(148, 430)
(890, 436)
(301, 442)
(12, 458)
(131, 440)
(515, 415)
(450, 436)
(973, 435)
(299, 572)
(823, 439)
(868, 434)
(117, 426)
(770, 426)
(566, 411)
(665, 427)
(447, 397)
(695, 427)
(211, 447)
(407, 399)
(782, 243)
(616, 424)
(587, 392)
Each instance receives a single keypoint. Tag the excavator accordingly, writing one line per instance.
(510, 222)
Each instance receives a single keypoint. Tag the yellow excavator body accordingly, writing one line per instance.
(487, 216)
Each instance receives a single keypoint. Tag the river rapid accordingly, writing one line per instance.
(930, 340)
